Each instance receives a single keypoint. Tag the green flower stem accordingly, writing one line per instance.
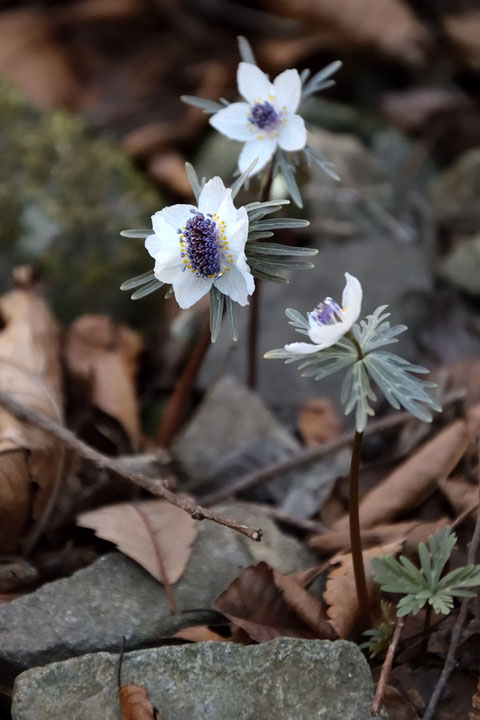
(355, 537)
(254, 315)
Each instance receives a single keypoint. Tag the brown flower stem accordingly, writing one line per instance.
(254, 314)
(156, 486)
(355, 537)
(176, 406)
(386, 668)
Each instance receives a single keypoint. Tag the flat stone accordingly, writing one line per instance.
(283, 679)
(230, 420)
(92, 609)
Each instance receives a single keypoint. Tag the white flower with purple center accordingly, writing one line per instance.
(195, 248)
(267, 119)
(329, 322)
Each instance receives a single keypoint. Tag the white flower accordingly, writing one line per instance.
(329, 322)
(268, 117)
(196, 247)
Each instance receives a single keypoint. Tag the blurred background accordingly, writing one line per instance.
(93, 139)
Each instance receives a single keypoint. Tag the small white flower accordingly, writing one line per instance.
(268, 117)
(329, 322)
(196, 247)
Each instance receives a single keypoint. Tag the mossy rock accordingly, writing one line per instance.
(64, 197)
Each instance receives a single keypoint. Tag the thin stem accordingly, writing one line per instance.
(175, 409)
(254, 315)
(386, 668)
(355, 537)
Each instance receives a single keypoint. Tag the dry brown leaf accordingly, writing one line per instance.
(136, 704)
(464, 32)
(318, 421)
(340, 592)
(199, 633)
(154, 533)
(339, 540)
(416, 478)
(30, 460)
(168, 169)
(32, 57)
(266, 605)
(389, 26)
(105, 357)
(460, 493)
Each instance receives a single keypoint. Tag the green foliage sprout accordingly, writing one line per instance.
(426, 585)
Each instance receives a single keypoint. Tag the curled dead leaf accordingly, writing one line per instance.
(154, 533)
(318, 421)
(105, 358)
(340, 592)
(30, 460)
(135, 704)
(266, 604)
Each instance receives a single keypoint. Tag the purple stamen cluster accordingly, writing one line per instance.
(200, 243)
(327, 312)
(263, 115)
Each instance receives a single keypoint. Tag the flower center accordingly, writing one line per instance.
(264, 116)
(204, 246)
(327, 312)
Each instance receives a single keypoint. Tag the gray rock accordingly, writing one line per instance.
(462, 266)
(282, 679)
(65, 196)
(229, 420)
(456, 192)
(92, 609)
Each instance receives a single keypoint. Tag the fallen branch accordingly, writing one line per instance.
(386, 668)
(154, 486)
(306, 457)
(450, 660)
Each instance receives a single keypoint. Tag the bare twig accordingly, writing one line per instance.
(386, 668)
(311, 455)
(450, 660)
(155, 486)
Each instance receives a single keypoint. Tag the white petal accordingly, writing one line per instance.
(189, 289)
(237, 233)
(234, 284)
(327, 335)
(287, 88)
(227, 210)
(253, 84)
(212, 196)
(302, 348)
(165, 244)
(292, 135)
(232, 121)
(175, 215)
(261, 149)
(168, 273)
(351, 300)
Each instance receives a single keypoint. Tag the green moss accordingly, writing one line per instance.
(64, 197)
